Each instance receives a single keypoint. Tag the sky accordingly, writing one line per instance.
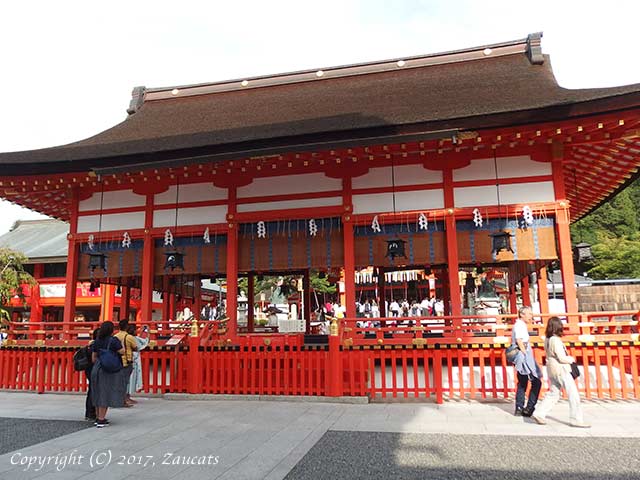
(67, 68)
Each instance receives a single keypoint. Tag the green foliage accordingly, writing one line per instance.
(616, 218)
(616, 257)
(613, 230)
(12, 277)
(267, 284)
(321, 285)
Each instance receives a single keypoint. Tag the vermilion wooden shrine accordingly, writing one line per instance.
(296, 172)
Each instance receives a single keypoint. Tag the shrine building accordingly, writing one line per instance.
(446, 170)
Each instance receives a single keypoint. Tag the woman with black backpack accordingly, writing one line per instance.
(107, 382)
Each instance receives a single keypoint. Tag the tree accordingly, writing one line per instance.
(268, 283)
(616, 257)
(615, 218)
(12, 278)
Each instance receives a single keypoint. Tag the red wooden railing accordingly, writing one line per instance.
(434, 358)
(610, 370)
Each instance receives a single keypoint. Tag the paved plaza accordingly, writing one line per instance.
(256, 439)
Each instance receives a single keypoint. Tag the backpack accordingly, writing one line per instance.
(110, 361)
(81, 359)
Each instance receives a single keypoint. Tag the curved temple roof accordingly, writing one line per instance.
(504, 85)
(475, 88)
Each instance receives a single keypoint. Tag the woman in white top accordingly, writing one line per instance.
(559, 371)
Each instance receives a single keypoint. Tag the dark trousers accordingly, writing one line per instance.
(89, 409)
(523, 381)
(126, 371)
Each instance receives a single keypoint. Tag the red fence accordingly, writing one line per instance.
(279, 370)
(610, 370)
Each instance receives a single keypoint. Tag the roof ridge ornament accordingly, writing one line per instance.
(534, 48)
(137, 99)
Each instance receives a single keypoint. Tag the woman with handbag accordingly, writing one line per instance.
(108, 384)
(559, 370)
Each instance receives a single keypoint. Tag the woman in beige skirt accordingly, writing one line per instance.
(559, 372)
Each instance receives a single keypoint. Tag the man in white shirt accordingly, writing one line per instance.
(394, 308)
(526, 366)
(425, 306)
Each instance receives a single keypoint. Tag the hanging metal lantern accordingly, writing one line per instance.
(582, 252)
(500, 241)
(174, 259)
(395, 248)
(97, 260)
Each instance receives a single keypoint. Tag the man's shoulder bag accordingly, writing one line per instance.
(511, 353)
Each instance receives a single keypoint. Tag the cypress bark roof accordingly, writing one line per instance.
(489, 86)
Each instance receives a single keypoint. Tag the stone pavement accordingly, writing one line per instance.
(247, 439)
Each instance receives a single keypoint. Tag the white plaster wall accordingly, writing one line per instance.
(405, 201)
(404, 175)
(508, 167)
(290, 184)
(117, 199)
(475, 196)
(509, 194)
(114, 222)
(527, 192)
(190, 216)
(290, 204)
(193, 192)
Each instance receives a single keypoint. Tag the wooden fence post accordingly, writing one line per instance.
(334, 374)
(194, 359)
(437, 375)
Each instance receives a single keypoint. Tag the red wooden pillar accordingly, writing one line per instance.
(349, 267)
(36, 308)
(148, 255)
(566, 262)
(513, 300)
(251, 288)
(334, 371)
(564, 235)
(232, 266)
(172, 307)
(125, 297)
(306, 287)
(197, 294)
(71, 279)
(543, 291)
(526, 295)
(452, 249)
(107, 301)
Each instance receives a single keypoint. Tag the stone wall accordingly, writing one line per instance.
(596, 298)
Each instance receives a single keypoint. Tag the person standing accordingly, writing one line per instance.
(559, 372)
(130, 345)
(136, 381)
(90, 409)
(107, 388)
(394, 308)
(527, 368)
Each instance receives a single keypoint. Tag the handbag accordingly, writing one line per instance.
(511, 353)
(575, 372)
(110, 361)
